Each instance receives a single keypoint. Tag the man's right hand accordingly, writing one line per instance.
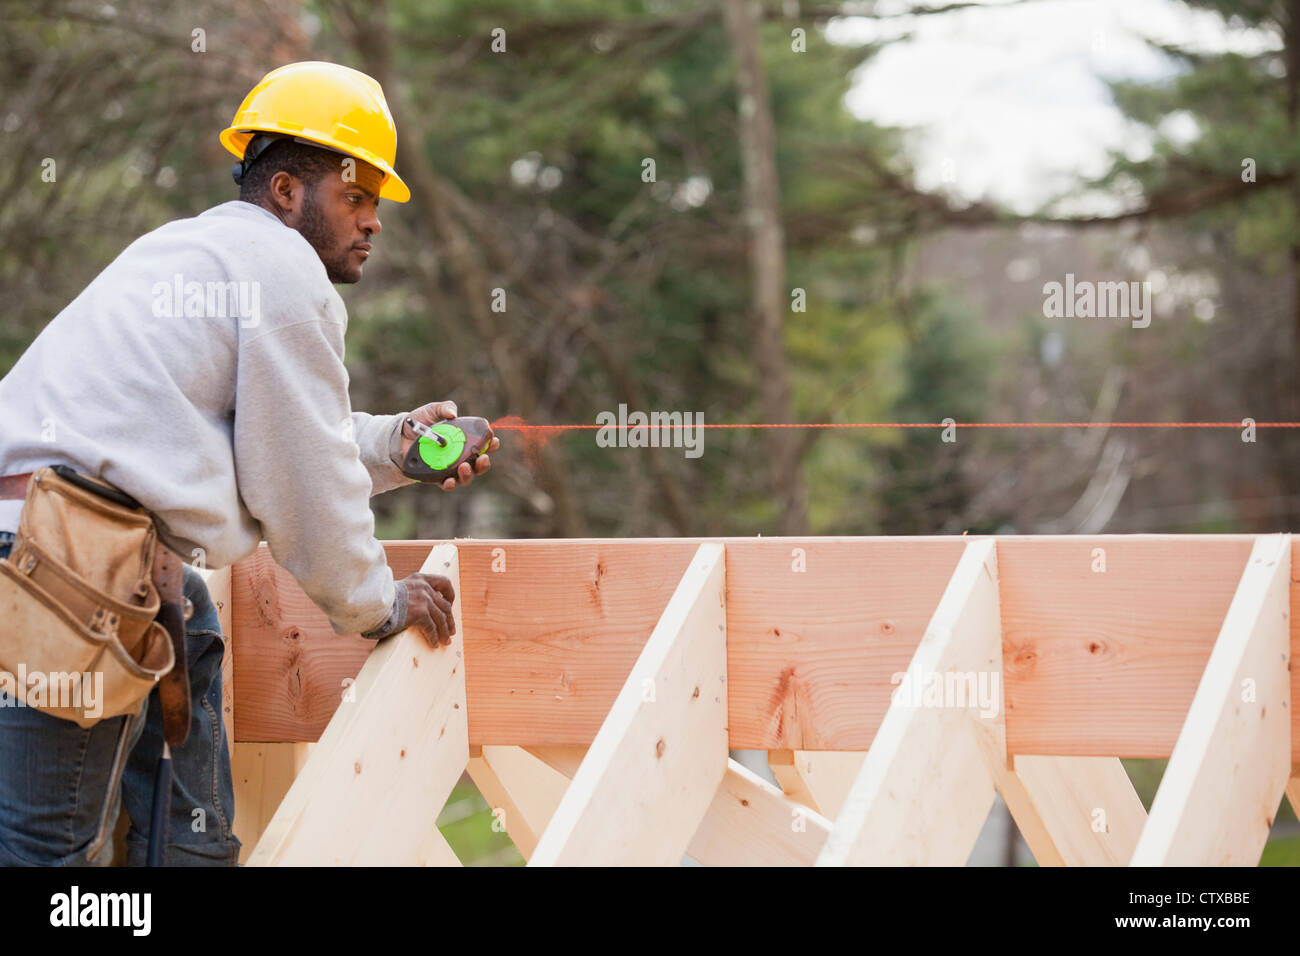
(428, 607)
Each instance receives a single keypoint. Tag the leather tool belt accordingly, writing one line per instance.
(91, 616)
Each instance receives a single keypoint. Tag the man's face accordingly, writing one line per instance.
(339, 217)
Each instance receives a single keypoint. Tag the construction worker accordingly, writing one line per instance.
(201, 374)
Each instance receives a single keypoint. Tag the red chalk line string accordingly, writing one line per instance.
(504, 427)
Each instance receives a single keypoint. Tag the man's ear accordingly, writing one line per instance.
(285, 192)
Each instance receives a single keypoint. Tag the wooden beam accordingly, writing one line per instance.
(782, 765)
(1294, 611)
(1106, 636)
(566, 758)
(290, 667)
(752, 823)
(523, 789)
(652, 771)
(372, 789)
(1220, 793)
(262, 775)
(820, 779)
(219, 588)
(926, 786)
(749, 823)
(550, 676)
(1074, 811)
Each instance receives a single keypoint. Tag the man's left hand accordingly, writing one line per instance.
(433, 413)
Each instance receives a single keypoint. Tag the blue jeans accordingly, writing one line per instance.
(62, 786)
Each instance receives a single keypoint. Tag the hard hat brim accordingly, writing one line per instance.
(392, 187)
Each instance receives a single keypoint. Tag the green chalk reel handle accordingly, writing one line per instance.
(467, 438)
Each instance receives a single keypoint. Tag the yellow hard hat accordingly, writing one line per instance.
(325, 103)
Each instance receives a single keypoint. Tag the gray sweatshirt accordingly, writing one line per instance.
(202, 373)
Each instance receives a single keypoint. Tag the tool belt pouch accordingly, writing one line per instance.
(78, 638)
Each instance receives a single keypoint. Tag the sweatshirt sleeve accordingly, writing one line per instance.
(300, 473)
(380, 439)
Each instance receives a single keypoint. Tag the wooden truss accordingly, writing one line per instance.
(594, 690)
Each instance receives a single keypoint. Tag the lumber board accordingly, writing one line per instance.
(748, 823)
(522, 788)
(262, 774)
(548, 673)
(291, 669)
(781, 763)
(1105, 663)
(752, 823)
(1097, 663)
(1074, 811)
(927, 783)
(1220, 792)
(653, 769)
(371, 790)
(1293, 613)
(566, 758)
(820, 779)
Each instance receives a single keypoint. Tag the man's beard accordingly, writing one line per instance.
(314, 229)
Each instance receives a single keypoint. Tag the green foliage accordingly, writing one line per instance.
(945, 374)
(467, 824)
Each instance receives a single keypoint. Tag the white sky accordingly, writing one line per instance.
(1010, 104)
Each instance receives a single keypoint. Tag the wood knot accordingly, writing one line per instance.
(593, 589)
(660, 747)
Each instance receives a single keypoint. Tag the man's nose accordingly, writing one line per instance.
(371, 225)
